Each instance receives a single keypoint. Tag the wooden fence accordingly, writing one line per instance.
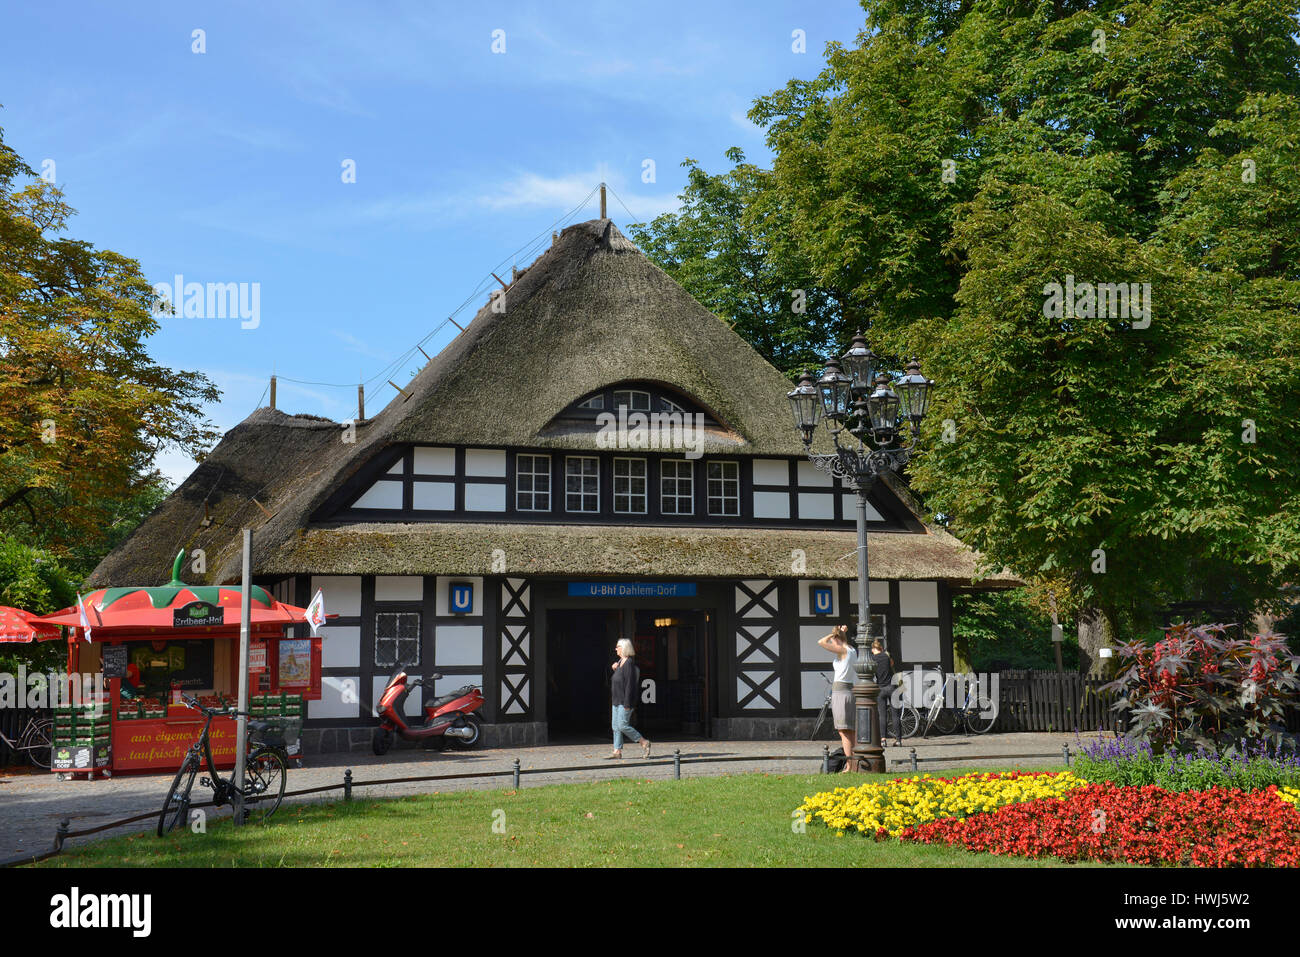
(1048, 701)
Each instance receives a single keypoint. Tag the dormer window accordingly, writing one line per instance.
(595, 402)
(668, 405)
(634, 400)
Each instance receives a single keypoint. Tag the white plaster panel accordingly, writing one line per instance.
(383, 494)
(771, 505)
(485, 462)
(399, 588)
(340, 646)
(435, 461)
(851, 510)
(331, 703)
(484, 498)
(878, 592)
(809, 651)
(812, 477)
(433, 496)
(771, 472)
(342, 593)
(459, 645)
(816, 505)
(812, 690)
(920, 643)
(918, 600)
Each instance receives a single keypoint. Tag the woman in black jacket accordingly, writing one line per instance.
(623, 694)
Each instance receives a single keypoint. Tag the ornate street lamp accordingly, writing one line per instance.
(884, 418)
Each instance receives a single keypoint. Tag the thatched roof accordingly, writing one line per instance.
(454, 548)
(591, 311)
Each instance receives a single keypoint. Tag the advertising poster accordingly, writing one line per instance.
(295, 662)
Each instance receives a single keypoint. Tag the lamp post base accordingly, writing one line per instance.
(868, 755)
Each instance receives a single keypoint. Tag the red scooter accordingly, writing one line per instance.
(450, 717)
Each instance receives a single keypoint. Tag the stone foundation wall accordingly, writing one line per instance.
(343, 740)
(766, 729)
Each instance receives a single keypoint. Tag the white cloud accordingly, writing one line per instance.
(564, 192)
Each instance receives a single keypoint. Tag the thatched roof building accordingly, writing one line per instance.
(471, 471)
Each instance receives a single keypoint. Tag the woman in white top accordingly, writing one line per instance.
(842, 709)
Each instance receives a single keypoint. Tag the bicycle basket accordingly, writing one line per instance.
(283, 733)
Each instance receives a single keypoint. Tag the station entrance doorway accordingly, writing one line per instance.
(672, 653)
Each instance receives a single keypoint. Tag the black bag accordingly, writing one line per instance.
(837, 761)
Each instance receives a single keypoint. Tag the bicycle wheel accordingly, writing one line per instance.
(264, 783)
(38, 743)
(821, 720)
(945, 722)
(981, 716)
(909, 721)
(176, 806)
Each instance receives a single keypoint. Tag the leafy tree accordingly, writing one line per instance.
(961, 159)
(83, 408)
(35, 581)
(1006, 629)
(728, 247)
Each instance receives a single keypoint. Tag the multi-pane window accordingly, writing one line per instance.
(723, 489)
(533, 483)
(668, 405)
(630, 486)
(595, 402)
(633, 399)
(397, 639)
(581, 484)
(676, 487)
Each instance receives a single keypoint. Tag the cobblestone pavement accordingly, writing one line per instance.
(32, 804)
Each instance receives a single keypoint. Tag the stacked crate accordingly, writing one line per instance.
(286, 711)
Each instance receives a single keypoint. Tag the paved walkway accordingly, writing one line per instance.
(32, 804)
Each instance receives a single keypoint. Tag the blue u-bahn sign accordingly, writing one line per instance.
(462, 598)
(823, 602)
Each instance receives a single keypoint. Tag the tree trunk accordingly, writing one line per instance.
(1096, 631)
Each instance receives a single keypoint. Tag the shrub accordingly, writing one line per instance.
(1197, 689)
(1128, 762)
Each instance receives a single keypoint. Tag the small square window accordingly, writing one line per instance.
(533, 483)
(630, 486)
(676, 487)
(723, 489)
(397, 639)
(581, 484)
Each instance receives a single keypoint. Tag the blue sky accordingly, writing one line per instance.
(227, 166)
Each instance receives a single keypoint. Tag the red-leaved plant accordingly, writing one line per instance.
(1200, 689)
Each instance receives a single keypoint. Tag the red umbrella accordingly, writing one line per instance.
(16, 626)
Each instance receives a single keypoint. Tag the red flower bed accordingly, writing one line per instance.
(1148, 825)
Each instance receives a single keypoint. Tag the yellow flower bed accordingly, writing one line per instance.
(903, 802)
(1290, 795)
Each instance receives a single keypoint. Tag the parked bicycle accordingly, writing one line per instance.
(976, 712)
(36, 740)
(264, 773)
(908, 718)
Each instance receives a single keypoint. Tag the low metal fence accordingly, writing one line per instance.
(516, 773)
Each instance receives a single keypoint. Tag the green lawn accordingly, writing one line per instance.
(733, 821)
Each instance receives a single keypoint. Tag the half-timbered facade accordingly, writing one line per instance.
(595, 457)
